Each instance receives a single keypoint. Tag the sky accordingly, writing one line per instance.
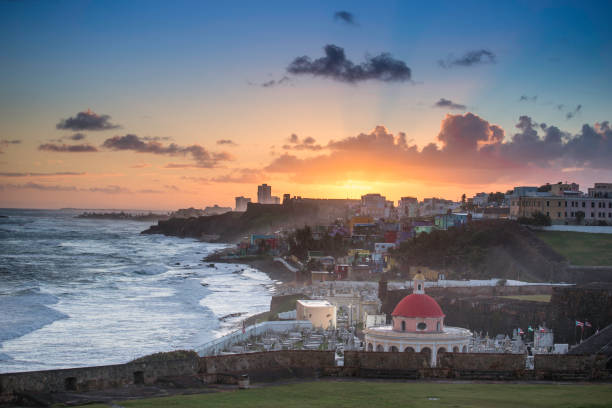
(164, 105)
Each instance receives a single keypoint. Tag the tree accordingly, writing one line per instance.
(463, 207)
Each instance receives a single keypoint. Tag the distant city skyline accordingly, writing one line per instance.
(157, 105)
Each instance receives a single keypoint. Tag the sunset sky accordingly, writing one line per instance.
(171, 104)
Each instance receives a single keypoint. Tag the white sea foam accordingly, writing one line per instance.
(89, 292)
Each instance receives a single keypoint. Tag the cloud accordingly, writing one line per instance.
(140, 165)
(61, 173)
(275, 82)
(37, 186)
(77, 136)
(570, 115)
(64, 148)
(446, 103)
(345, 17)
(475, 57)
(226, 142)
(86, 121)
(201, 156)
(308, 143)
(5, 142)
(468, 149)
(334, 65)
(525, 98)
(107, 190)
(241, 176)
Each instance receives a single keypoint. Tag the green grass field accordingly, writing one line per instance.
(374, 394)
(533, 298)
(580, 248)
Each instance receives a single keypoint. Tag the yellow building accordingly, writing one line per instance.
(320, 313)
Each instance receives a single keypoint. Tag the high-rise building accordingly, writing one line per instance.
(373, 205)
(408, 207)
(241, 203)
(264, 194)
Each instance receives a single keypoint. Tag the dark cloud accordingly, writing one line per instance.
(344, 17)
(61, 173)
(468, 148)
(199, 154)
(446, 103)
(275, 82)
(226, 142)
(334, 65)
(309, 143)
(77, 136)
(6, 142)
(64, 148)
(570, 115)
(470, 58)
(525, 98)
(86, 121)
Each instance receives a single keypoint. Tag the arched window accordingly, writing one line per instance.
(370, 347)
(380, 348)
(455, 349)
(394, 349)
(409, 350)
(438, 326)
(403, 325)
(419, 286)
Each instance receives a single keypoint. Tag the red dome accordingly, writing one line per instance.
(418, 305)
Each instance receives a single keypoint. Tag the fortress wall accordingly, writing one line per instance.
(378, 360)
(481, 361)
(569, 362)
(95, 378)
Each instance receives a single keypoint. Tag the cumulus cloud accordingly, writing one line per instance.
(570, 115)
(308, 143)
(334, 65)
(201, 156)
(468, 149)
(64, 148)
(345, 17)
(446, 103)
(475, 57)
(86, 121)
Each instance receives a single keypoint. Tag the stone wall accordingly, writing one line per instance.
(481, 361)
(94, 378)
(382, 360)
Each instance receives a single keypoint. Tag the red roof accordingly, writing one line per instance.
(418, 305)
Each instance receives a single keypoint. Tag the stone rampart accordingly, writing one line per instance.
(375, 360)
(568, 367)
(481, 361)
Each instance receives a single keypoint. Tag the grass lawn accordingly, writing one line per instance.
(374, 394)
(580, 248)
(533, 298)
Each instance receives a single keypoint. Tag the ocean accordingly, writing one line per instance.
(80, 292)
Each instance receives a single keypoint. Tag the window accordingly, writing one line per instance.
(559, 202)
(592, 215)
(438, 326)
(547, 214)
(592, 204)
(421, 326)
(583, 204)
(403, 325)
(558, 215)
(548, 203)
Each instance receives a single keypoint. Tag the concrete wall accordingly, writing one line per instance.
(243, 363)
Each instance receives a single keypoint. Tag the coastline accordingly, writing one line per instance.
(266, 264)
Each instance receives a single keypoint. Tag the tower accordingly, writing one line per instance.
(418, 284)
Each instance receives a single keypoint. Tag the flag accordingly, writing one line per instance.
(530, 328)
(579, 324)
(587, 324)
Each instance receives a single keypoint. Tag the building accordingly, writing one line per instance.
(601, 190)
(320, 313)
(408, 207)
(445, 221)
(563, 189)
(242, 203)
(216, 210)
(480, 200)
(375, 206)
(433, 206)
(264, 194)
(418, 327)
(564, 210)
